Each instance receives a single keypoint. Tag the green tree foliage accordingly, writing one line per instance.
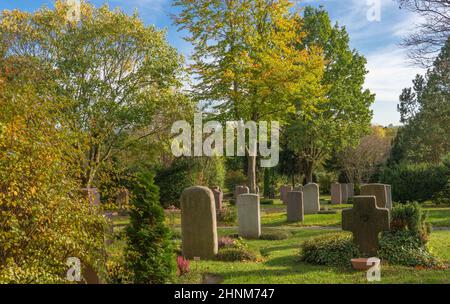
(425, 111)
(121, 76)
(344, 115)
(149, 251)
(44, 217)
(247, 64)
(270, 183)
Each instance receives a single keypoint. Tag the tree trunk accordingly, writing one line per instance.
(309, 166)
(251, 173)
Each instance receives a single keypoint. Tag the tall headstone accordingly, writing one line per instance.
(241, 190)
(283, 193)
(311, 198)
(336, 194)
(366, 221)
(389, 197)
(379, 191)
(249, 216)
(218, 198)
(351, 190)
(198, 223)
(344, 193)
(295, 208)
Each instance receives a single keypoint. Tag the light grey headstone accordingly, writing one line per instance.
(311, 198)
(351, 190)
(389, 197)
(249, 216)
(344, 193)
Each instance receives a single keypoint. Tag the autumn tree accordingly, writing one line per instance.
(44, 218)
(122, 76)
(361, 162)
(344, 115)
(246, 62)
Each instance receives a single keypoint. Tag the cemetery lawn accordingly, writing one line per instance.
(280, 265)
(279, 260)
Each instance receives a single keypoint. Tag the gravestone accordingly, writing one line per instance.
(249, 217)
(123, 198)
(344, 194)
(389, 197)
(298, 188)
(295, 208)
(93, 196)
(283, 193)
(336, 194)
(198, 223)
(379, 191)
(218, 198)
(90, 276)
(241, 190)
(311, 199)
(366, 221)
(351, 190)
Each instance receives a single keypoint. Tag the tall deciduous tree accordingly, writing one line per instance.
(44, 219)
(246, 61)
(344, 115)
(122, 76)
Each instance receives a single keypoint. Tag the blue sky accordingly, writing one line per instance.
(389, 69)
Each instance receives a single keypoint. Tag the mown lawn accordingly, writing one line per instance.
(280, 264)
(279, 260)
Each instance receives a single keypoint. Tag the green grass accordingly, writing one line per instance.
(280, 265)
(279, 260)
(439, 217)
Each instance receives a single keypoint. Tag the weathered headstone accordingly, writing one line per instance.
(283, 193)
(336, 194)
(249, 217)
(241, 190)
(218, 198)
(389, 197)
(90, 276)
(379, 191)
(366, 221)
(123, 198)
(295, 208)
(344, 193)
(311, 199)
(198, 223)
(351, 190)
(298, 188)
(93, 196)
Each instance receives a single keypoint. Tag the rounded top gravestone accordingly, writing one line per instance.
(311, 198)
(198, 223)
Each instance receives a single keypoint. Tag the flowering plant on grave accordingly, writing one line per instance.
(183, 266)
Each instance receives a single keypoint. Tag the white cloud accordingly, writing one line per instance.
(389, 72)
